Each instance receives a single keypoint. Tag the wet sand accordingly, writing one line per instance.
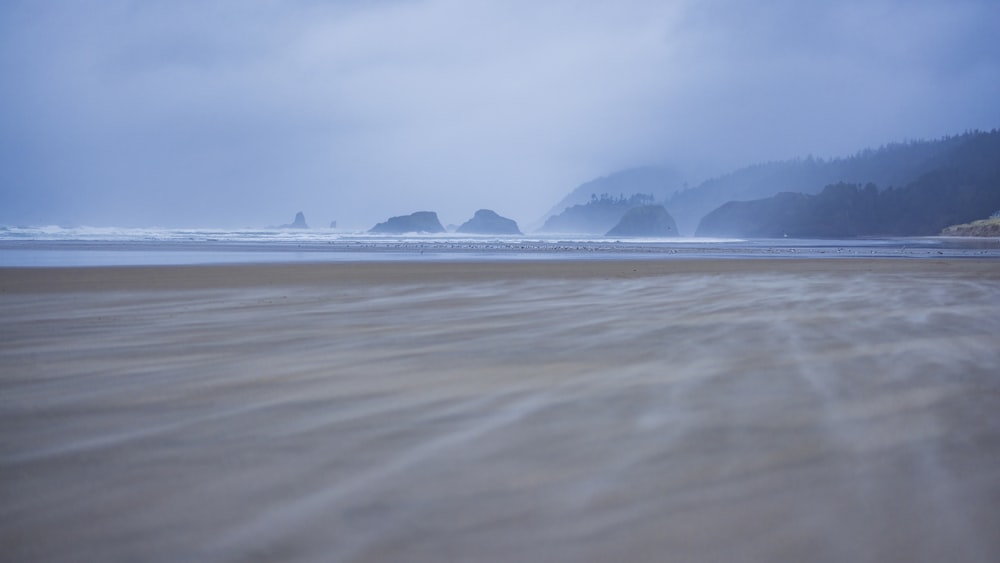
(705, 410)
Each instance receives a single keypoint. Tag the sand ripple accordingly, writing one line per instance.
(696, 416)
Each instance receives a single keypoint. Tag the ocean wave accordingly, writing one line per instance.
(90, 246)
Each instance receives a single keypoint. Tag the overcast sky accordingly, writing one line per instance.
(240, 113)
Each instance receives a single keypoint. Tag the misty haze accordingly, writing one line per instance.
(441, 280)
(222, 115)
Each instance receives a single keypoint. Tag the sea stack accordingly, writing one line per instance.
(645, 221)
(298, 223)
(488, 222)
(419, 222)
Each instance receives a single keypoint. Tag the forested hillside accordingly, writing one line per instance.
(597, 216)
(960, 183)
(892, 165)
(657, 181)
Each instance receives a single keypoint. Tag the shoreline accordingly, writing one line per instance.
(28, 280)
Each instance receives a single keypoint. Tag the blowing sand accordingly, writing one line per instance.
(713, 410)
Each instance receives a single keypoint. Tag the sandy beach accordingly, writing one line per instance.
(632, 410)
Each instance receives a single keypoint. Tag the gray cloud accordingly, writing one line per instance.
(235, 113)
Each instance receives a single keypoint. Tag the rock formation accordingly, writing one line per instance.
(298, 223)
(981, 228)
(419, 222)
(645, 221)
(595, 217)
(487, 222)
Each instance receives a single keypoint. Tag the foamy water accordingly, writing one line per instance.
(757, 417)
(103, 246)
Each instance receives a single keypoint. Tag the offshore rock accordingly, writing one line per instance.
(645, 221)
(596, 216)
(419, 222)
(487, 222)
(298, 223)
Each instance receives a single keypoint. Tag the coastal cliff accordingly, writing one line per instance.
(982, 228)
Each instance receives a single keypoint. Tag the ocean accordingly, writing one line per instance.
(105, 246)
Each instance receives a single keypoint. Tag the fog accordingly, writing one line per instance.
(228, 113)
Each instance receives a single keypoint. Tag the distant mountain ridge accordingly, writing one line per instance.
(895, 164)
(891, 165)
(961, 184)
